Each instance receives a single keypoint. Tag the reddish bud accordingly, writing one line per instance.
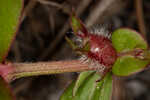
(96, 45)
(101, 50)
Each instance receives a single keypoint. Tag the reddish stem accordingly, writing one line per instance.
(44, 68)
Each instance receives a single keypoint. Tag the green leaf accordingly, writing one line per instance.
(77, 26)
(86, 88)
(5, 93)
(82, 77)
(86, 47)
(126, 39)
(106, 91)
(127, 65)
(67, 95)
(9, 15)
(103, 90)
(89, 89)
(71, 43)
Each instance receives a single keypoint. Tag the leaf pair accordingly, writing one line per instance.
(127, 40)
(86, 88)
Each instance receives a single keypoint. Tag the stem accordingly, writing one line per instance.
(45, 68)
(140, 16)
(119, 92)
(51, 3)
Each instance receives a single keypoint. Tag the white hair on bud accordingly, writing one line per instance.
(70, 32)
(100, 30)
(95, 64)
(79, 39)
(83, 59)
(92, 63)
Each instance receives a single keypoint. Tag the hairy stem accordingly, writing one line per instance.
(45, 68)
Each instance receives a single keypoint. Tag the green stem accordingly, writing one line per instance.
(45, 68)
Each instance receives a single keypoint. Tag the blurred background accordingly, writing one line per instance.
(41, 38)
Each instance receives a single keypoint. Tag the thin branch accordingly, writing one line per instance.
(51, 20)
(98, 11)
(28, 9)
(140, 16)
(45, 68)
(16, 51)
(51, 3)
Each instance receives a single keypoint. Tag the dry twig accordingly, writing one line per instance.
(140, 16)
(98, 11)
